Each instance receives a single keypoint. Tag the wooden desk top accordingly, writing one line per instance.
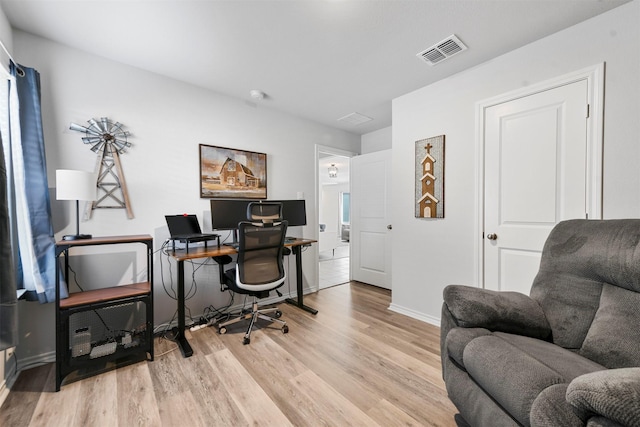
(213, 250)
(107, 240)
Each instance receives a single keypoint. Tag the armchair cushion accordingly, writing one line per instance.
(514, 369)
(551, 409)
(613, 394)
(614, 335)
(510, 312)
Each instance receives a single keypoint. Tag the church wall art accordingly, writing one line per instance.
(430, 178)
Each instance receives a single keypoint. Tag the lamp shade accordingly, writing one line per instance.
(75, 185)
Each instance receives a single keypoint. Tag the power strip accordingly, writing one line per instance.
(103, 350)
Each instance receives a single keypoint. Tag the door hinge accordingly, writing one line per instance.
(588, 111)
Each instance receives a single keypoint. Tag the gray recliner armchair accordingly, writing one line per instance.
(568, 354)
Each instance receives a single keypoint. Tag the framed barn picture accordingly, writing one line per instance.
(430, 178)
(231, 173)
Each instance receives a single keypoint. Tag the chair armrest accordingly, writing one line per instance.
(510, 312)
(613, 394)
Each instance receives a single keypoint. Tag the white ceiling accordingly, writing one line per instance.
(318, 59)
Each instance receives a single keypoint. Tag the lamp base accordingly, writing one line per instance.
(76, 237)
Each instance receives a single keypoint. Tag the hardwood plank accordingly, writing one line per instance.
(253, 402)
(207, 389)
(20, 404)
(97, 401)
(57, 406)
(330, 401)
(354, 363)
(378, 375)
(387, 414)
(137, 404)
(181, 409)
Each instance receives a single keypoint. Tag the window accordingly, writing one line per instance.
(345, 208)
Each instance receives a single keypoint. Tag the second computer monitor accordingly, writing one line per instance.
(294, 211)
(226, 214)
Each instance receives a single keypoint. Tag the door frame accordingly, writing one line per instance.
(594, 76)
(335, 152)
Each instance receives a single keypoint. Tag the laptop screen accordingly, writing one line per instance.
(183, 225)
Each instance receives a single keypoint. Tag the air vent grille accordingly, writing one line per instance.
(355, 119)
(442, 50)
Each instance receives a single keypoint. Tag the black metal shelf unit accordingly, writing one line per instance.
(106, 327)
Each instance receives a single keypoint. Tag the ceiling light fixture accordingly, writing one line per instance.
(333, 171)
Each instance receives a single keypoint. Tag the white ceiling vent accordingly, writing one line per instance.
(355, 119)
(443, 50)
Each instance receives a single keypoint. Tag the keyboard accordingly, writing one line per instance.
(234, 245)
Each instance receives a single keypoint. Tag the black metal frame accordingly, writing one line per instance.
(65, 364)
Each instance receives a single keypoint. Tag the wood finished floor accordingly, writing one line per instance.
(354, 363)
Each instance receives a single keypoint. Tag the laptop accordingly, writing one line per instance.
(186, 228)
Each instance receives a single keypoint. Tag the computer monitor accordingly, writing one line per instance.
(294, 211)
(226, 214)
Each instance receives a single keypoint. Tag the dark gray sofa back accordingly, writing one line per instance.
(590, 269)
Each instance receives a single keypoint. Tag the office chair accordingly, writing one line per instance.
(259, 267)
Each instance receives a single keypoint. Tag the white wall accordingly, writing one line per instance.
(376, 141)
(167, 119)
(430, 254)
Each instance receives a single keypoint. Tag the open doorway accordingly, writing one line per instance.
(334, 217)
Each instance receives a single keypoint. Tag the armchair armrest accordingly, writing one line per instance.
(613, 394)
(510, 312)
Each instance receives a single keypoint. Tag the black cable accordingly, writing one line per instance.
(213, 312)
(173, 296)
(109, 330)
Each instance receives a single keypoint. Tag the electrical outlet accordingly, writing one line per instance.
(9, 352)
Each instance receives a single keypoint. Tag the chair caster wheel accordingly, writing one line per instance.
(246, 340)
(278, 314)
(222, 330)
(285, 329)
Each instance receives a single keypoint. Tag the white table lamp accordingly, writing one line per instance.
(75, 185)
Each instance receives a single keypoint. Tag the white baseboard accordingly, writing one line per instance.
(4, 391)
(415, 314)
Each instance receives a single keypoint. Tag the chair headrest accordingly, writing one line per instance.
(265, 212)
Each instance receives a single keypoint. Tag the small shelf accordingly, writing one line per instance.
(85, 320)
(114, 293)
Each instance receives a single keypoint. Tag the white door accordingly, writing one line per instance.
(371, 219)
(535, 176)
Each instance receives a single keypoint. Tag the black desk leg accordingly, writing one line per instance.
(181, 340)
(297, 250)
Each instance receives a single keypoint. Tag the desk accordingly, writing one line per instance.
(195, 253)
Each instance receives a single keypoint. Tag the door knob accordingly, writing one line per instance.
(389, 227)
(492, 236)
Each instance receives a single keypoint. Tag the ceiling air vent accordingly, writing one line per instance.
(443, 50)
(355, 119)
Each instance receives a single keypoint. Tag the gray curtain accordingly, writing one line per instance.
(8, 299)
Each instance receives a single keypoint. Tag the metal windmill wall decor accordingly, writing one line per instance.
(108, 140)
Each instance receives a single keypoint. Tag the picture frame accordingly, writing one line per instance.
(429, 177)
(229, 173)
